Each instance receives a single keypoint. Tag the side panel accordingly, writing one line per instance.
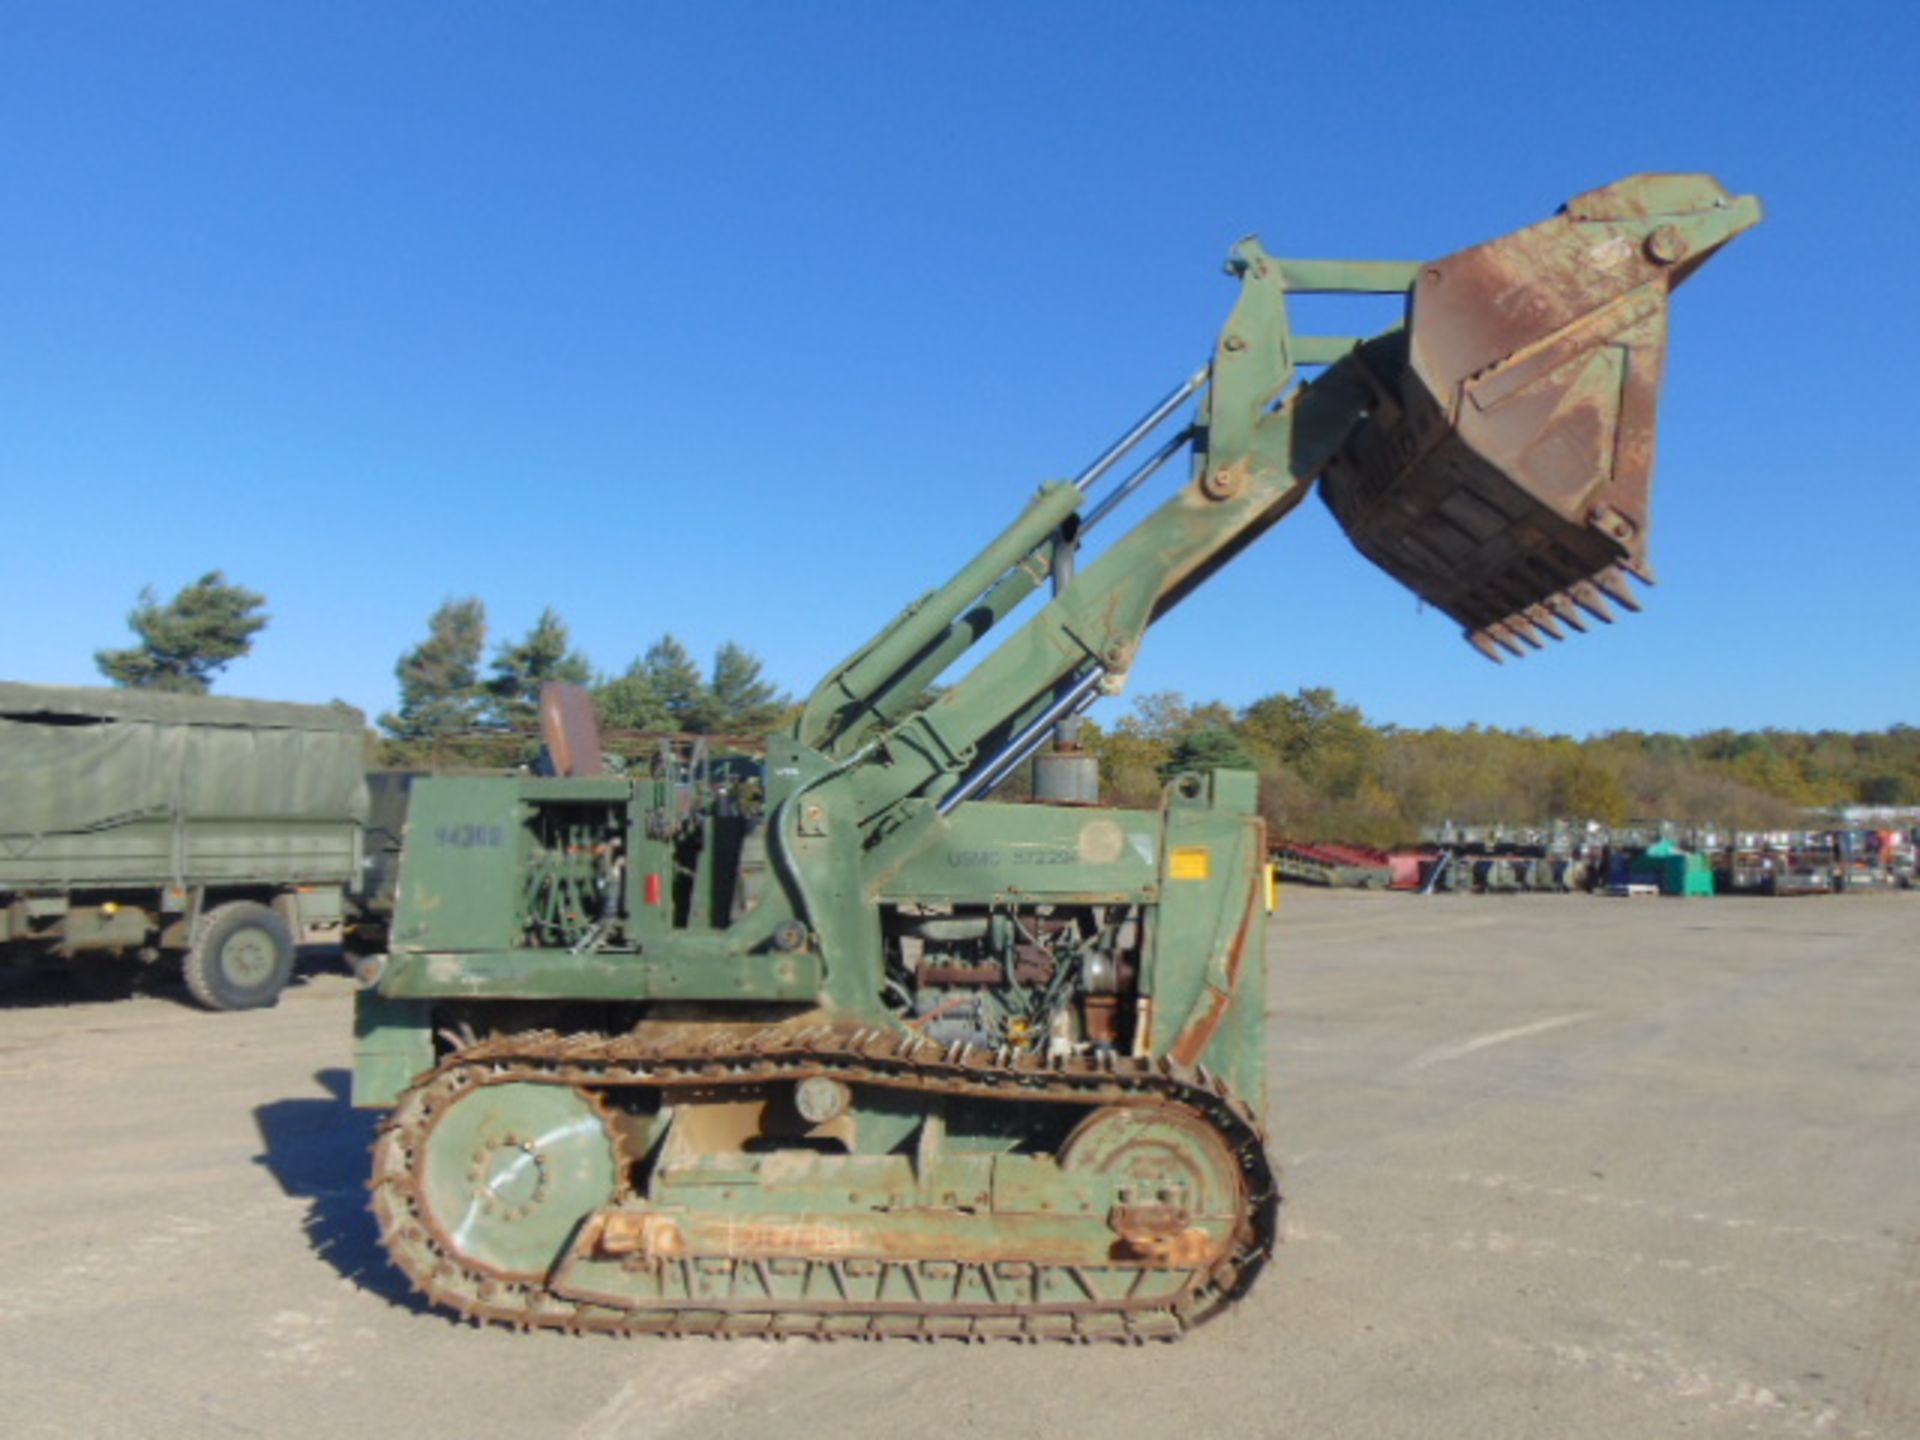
(121, 800)
(156, 851)
(459, 872)
(993, 851)
(1205, 974)
(604, 975)
(391, 1045)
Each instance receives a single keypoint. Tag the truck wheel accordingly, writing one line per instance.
(241, 959)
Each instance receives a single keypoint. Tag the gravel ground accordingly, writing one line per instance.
(1556, 1167)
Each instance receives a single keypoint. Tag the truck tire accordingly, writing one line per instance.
(241, 957)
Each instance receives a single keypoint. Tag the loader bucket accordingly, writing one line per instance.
(1504, 472)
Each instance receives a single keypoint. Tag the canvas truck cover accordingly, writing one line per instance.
(104, 785)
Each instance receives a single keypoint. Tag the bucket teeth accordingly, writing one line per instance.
(1542, 619)
(1519, 624)
(1533, 626)
(1590, 600)
(1563, 606)
(1615, 584)
(1505, 639)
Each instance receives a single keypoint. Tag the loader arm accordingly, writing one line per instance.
(1493, 453)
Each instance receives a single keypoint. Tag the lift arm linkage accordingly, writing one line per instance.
(1493, 453)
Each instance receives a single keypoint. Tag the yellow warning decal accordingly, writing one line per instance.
(1189, 862)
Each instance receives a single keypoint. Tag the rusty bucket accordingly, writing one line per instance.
(1504, 473)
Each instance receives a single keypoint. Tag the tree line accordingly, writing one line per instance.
(445, 696)
(1326, 771)
(455, 706)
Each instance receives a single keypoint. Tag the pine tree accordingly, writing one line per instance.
(185, 642)
(440, 692)
(743, 702)
(677, 685)
(1211, 748)
(629, 701)
(520, 670)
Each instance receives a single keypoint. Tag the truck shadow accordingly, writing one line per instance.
(316, 1149)
(53, 984)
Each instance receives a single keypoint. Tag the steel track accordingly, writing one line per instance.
(682, 1059)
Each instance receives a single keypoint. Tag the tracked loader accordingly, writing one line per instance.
(835, 1044)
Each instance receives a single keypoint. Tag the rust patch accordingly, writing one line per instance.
(1191, 1043)
(1190, 1249)
(1512, 470)
(640, 1233)
(759, 1236)
(570, 729)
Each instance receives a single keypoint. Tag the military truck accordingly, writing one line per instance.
(140, 829)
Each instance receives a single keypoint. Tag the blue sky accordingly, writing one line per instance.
(749, 322)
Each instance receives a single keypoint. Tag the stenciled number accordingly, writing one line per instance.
(471, 837)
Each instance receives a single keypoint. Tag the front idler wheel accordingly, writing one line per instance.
(507, 1172)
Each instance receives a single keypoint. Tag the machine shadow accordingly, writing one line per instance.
(316, 1149)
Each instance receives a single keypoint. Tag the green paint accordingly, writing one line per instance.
(392, 1046)
(511, 1171)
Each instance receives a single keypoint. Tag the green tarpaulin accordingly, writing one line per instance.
(75, 760)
